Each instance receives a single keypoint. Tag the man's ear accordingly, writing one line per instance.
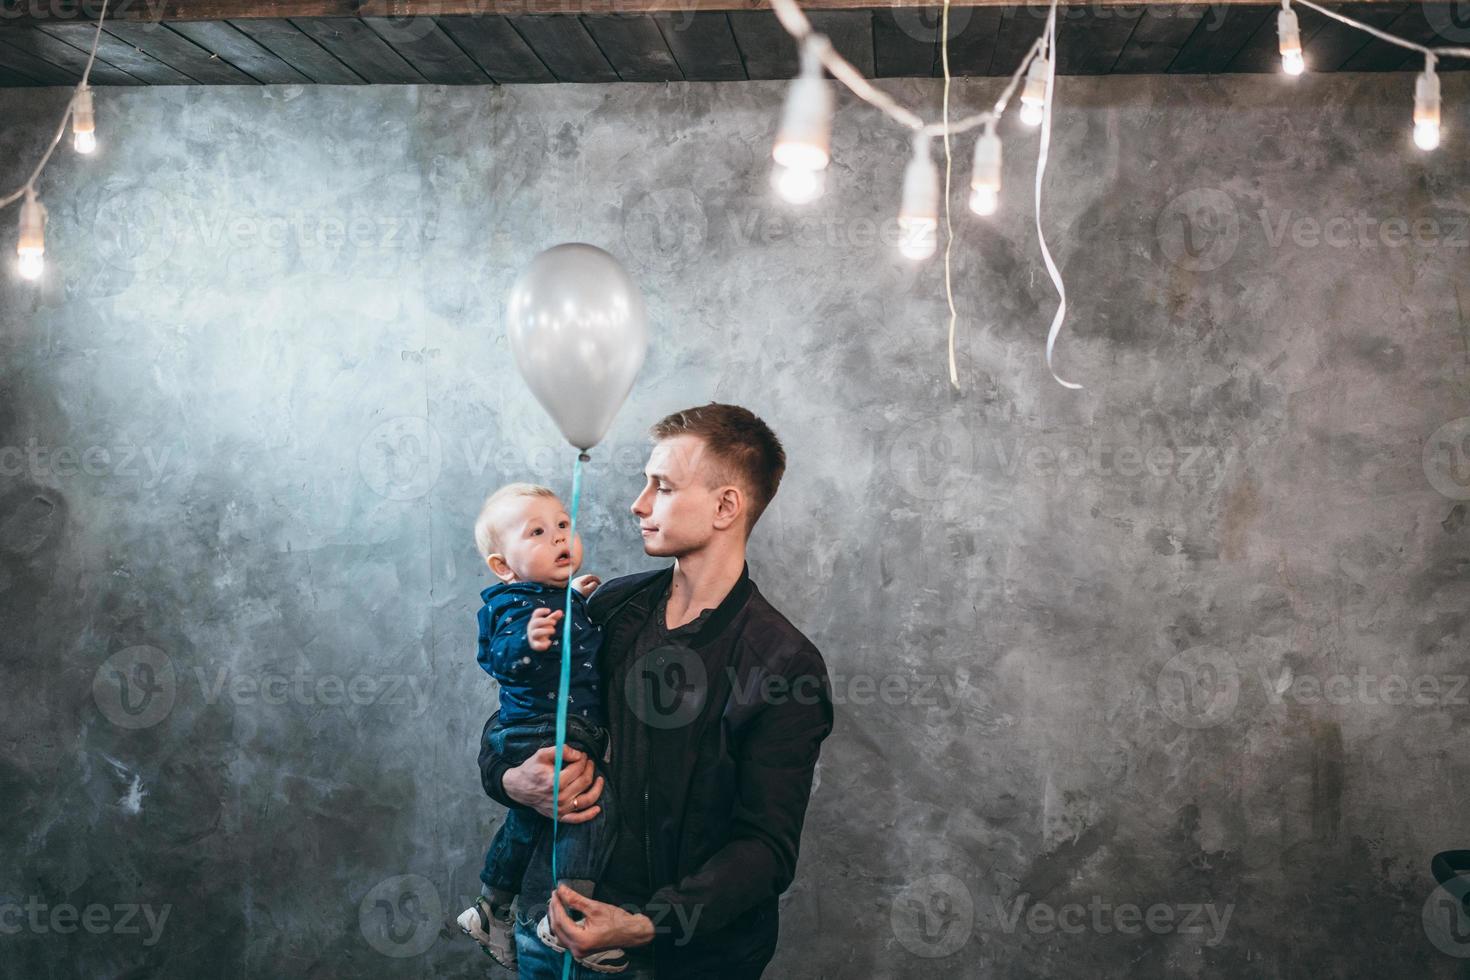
(499, 568)
(729, 507)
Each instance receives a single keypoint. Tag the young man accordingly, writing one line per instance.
(717, 708)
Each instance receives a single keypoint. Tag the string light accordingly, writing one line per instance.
(1426, 107)
(30, 249)
(1033, 96)
(985, 175)
(84, 121)
(1290, 34)
(918, 217)
(803, 144)
(798, 186)
(1426, 85)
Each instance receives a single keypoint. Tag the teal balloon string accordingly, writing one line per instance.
(561, 697)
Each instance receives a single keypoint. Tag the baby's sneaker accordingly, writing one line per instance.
(494, 933)
(602, 961)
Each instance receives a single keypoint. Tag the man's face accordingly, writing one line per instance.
(536, 543)
(677, 509)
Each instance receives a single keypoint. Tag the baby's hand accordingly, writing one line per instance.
(585, 584)
(542, 627)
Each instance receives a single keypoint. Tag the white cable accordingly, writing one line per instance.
(954, 373)
(1384, 35)
(1051, 267)
(795, 21)
(30, 183)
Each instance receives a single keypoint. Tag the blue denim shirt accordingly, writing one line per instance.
(529, 680)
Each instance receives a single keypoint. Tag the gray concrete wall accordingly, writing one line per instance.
(1128, 656)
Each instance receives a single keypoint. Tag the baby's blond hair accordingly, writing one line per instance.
(487, 533)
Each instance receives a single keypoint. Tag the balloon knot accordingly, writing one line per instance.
(584, 457)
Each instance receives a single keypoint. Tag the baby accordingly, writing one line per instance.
(524, 534)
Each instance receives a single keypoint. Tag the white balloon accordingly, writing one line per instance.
(578, 329)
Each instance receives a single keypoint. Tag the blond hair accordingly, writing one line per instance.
(487, 533)
(743, 449)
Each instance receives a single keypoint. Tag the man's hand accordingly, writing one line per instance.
(531, 784)
(541, 628)
(603, 926)
(586, 584)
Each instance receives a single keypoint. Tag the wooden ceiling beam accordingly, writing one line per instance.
(30, 13)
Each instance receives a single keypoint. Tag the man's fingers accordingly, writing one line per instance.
(580, 805)
(593, 792)
(572, 899)
(581, 816)
(572, 934)
(575, 779)
(561, 923)
(582, 790)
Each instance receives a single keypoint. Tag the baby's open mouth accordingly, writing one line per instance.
(564, 558)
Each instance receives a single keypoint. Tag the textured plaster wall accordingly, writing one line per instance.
(1127, 648)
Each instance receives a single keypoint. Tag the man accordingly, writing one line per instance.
(717, 707)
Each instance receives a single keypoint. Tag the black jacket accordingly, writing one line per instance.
(727, 749)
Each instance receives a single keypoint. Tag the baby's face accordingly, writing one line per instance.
(536, 541)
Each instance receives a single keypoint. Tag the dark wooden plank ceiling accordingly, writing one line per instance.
(696, 43)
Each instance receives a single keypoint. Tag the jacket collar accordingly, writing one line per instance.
(642, 593)
(524, 588)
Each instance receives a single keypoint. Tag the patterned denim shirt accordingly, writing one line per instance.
(529, 680)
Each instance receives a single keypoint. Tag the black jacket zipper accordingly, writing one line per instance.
(648, 858)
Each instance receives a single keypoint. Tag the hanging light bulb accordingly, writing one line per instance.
(1426, 107)
(1290, 33)
(985, 175)
(84, 121)
(31, 248)
(796, 185)
(918, 217)
(804, 140)
(1033, 94)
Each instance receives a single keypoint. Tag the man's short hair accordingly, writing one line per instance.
(487, 532)
(743, 448)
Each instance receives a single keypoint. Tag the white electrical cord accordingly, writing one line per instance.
(794, 20)
(954, 374)
(1384, 35)
(1041, 157)
(796, 24)
(30, 185)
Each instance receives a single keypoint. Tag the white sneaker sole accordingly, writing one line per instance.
(469, 924)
